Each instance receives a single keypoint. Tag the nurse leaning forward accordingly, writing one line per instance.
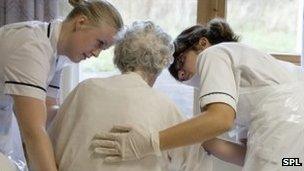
(32, 56)
(238, 86)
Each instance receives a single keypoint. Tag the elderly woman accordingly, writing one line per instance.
(142, 51)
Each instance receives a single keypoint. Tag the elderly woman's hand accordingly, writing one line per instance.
(125, 143)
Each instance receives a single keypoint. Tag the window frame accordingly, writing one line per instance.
(208, 9)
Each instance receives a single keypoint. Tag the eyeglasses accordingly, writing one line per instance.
(181, 58)
(180, 65)
(180, 62)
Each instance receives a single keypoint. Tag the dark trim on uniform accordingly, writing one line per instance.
(26, 84)
(49, 30)
(217, 93)
(48, 35)
(52, 86)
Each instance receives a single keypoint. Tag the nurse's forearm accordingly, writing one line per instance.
(226, 151)
(217, 119)
(31, 116)
(39, 151)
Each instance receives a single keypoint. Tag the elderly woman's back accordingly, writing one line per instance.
(95, 105)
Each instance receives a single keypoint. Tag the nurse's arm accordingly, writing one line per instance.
(31, 115)
(226, 151)
(52, 106)
(215, 119)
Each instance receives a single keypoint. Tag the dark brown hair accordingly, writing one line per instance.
(216, 31)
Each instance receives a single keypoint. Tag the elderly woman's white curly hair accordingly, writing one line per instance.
(143, 46)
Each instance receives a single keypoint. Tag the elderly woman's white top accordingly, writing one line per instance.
(97, 104)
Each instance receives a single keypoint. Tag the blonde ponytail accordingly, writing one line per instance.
(75, 3)
(98, 12)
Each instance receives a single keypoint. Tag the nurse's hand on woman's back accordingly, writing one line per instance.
(125, 143)
(138, 142)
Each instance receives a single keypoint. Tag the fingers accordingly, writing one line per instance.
(106, 151)
(104, 143)
(112, 135)
(121, 129)
(113, 159)
(106, 136)
(108, 145)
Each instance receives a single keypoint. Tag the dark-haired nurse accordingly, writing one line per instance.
(239, 87)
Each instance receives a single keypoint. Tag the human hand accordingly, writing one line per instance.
(125, 143)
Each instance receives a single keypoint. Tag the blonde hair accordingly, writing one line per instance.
(98, 12)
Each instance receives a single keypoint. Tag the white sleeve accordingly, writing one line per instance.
(53, 89)
(27, 69)
(217, 78)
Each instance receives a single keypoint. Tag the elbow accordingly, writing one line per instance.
(223, 116)
(227, 121)
(224, 125)
(230, 126)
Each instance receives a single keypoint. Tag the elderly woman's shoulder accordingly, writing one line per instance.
(162, 97)
(98, 83)
(91, 82)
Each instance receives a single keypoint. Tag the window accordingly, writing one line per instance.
(176, 15)
(274, 26)
(173, 16)
(271, 25)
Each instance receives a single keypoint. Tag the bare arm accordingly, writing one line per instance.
(52, 106)
(31, 115)
(227, 151)
(215, 120)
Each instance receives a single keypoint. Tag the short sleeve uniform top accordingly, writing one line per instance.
(232, 72)
(30, 65)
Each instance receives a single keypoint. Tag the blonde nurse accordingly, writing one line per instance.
(32, 56)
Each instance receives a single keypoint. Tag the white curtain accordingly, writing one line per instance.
(12, 11)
